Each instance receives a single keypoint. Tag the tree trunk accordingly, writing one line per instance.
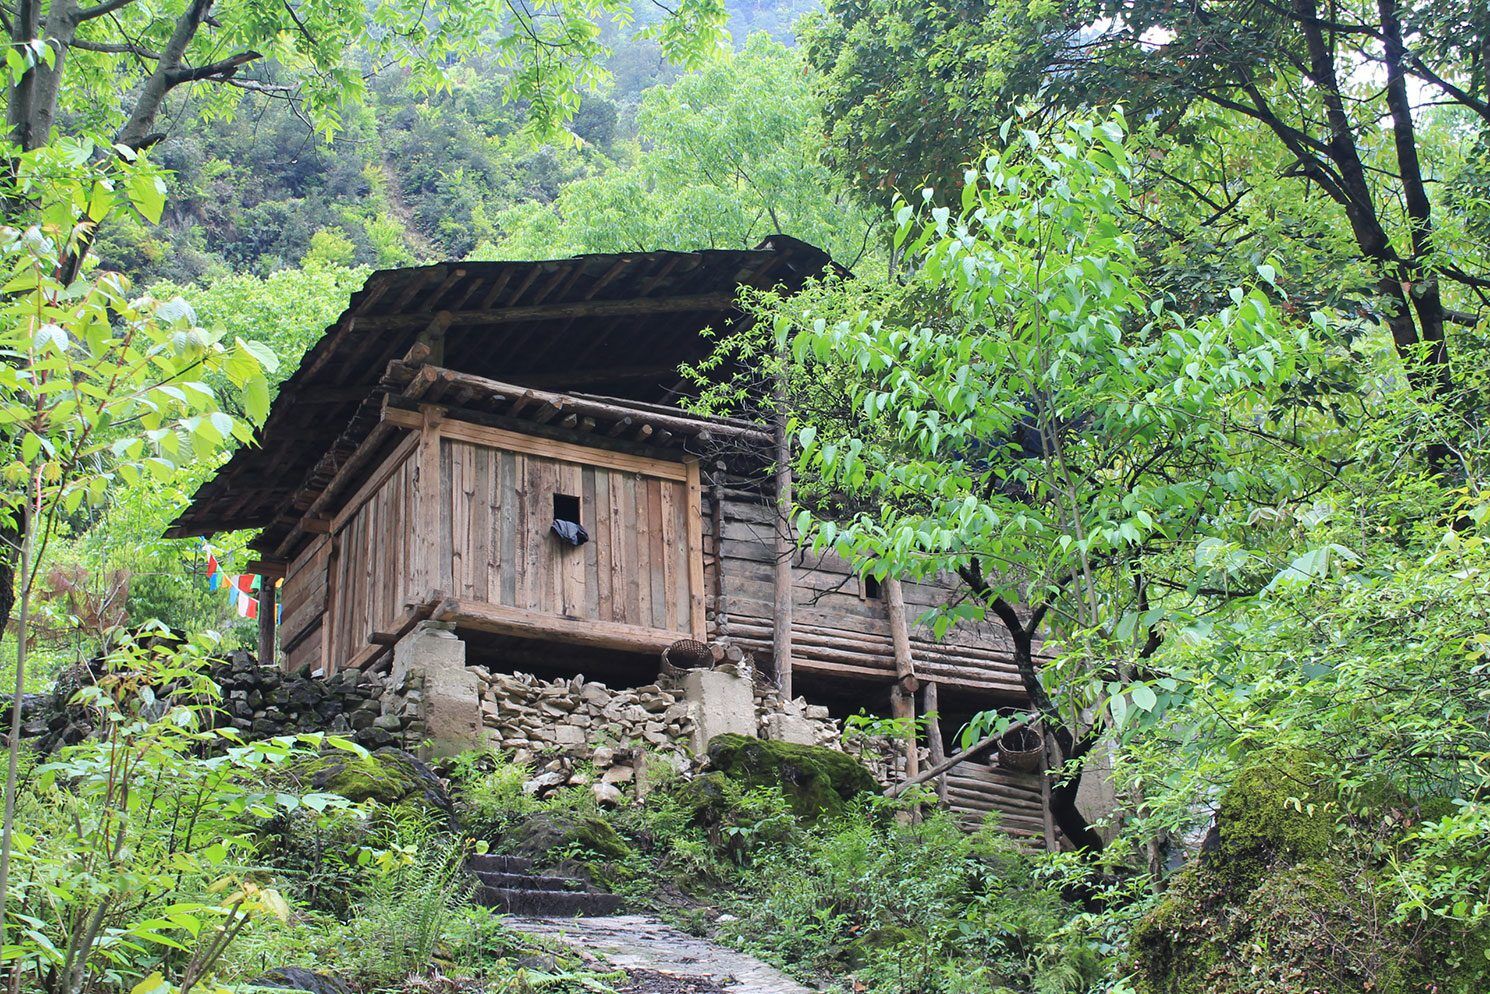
(1065, 786)
(13, 745)
(1071, 749)
(1419, 343)
(10, 542)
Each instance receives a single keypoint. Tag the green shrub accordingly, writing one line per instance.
(135, 853)
(323, 857)
(408, 908)
(910, 909)
(488, 793)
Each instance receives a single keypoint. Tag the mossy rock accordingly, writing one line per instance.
(816, 781)
(706, 797)
(1283, 904)
(1315, 926)
(877, 942)
(388, 776)
(1280, 808)
(547, 836)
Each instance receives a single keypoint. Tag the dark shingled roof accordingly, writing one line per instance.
(617, 325)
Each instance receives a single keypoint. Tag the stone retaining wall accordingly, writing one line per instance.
(258, 702)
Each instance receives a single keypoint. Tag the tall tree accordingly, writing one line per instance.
(1035, 420)
(1327, 83)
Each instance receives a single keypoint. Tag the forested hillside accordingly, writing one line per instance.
(1158, 339)
(410, 177)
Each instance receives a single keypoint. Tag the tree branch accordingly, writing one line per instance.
(100, 9)
(111, 48)
(221, 70)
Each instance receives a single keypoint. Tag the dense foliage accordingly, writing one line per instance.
(1166, 333)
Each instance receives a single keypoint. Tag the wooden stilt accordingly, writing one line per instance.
(781, 641)
(936, 750)
(905, 673)
(267, 624)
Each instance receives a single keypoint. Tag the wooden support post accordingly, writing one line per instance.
(905, 672)
(267, 624)
(781, 641)
(903, 708)
(697, 622)
(721, 601)
(426, 532)
(937, 751)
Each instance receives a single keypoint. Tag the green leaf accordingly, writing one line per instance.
(147, 192)
(155, 983)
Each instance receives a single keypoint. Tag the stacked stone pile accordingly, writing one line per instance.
(262, 701)
(778, 719)
(564, 725)
(573, 732)
(580, 732)
(257, 701)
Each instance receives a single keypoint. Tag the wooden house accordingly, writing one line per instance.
(415, 463)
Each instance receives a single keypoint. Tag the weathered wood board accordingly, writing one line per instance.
(484, 539)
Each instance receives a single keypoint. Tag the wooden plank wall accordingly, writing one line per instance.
(303, 605)
(371, 567)
(835, 630)
(491, 544)
(496, 548)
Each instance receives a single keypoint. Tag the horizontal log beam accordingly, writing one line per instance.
(500, 620)
(550, 312)
(649, 417)
(273, 570)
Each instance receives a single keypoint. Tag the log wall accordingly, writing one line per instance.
(977, 789)
(837, 630)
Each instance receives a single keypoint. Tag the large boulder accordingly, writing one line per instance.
(816, 781)
(1280, 902)
(388, 776)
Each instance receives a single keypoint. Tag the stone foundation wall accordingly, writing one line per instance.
(571, 732)
(258, 702)
(580, 732)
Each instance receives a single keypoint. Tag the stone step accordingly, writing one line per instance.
(549, 903)
(528, 881)
(488, 863)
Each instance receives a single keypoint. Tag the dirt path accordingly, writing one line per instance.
(662, 959)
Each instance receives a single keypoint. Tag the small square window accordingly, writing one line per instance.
(872, 589)
(566, 507)
(566, 520)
